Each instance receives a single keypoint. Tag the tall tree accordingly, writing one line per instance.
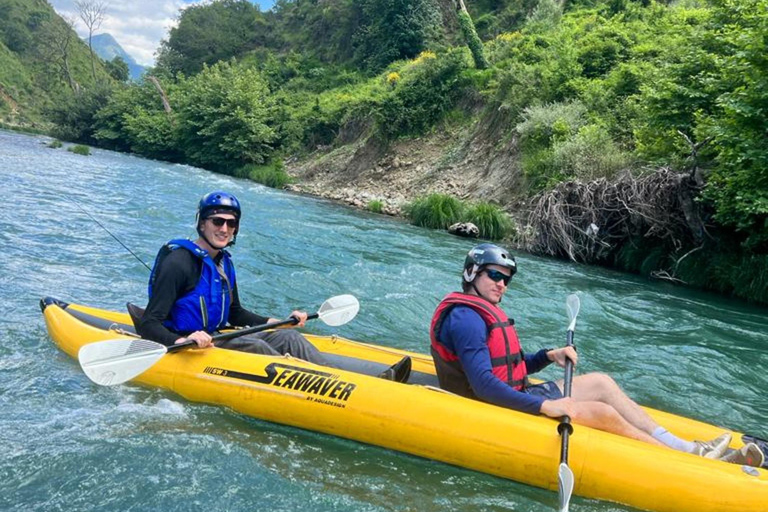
(470, 34)
(393, 29)
(92, 13)
(208, 33)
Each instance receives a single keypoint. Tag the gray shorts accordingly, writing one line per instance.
(547, 390)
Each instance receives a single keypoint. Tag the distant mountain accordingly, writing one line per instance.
(107, 48)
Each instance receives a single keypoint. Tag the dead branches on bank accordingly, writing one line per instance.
(587, 222)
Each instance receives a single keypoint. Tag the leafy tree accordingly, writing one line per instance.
(223, 118)
(134, 120)
(393, 29)
(75, 114)
(317, 28)
(208, 33)
(738, 125)
(118, 69)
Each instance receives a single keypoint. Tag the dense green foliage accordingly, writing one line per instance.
(272, 175)
(492, 221)
(738, 126)
(436, 211)
(473, 40)
(375, 206)
(42, 61)
(211, 32)
(424, 93)
(582, 90)
(80, 149)
(391, 30)
(222, 117)
(118, 69)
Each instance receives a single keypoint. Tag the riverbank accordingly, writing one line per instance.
(651, 225)
(457, 161)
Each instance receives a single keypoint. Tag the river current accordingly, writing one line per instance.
(70, 445)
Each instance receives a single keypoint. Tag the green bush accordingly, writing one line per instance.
(134, 120)
(79, 149)
(436, 211)
(543, 125)
(222, 117)
(541, 170)
(375, 205)
(429, 88)
(55, 144)
(272, 175)
(590, 154)
(491, 220)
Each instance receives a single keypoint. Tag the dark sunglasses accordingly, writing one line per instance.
(496, 276)
(219, 221)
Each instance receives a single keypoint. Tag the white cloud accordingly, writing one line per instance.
(138, 25)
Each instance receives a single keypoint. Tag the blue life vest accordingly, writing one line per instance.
(206, 307)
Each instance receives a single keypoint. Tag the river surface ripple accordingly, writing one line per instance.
(68, 444)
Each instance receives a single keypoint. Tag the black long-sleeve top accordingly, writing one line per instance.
(177, 275)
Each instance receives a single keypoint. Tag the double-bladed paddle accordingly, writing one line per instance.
(564, 474)
(116, 361)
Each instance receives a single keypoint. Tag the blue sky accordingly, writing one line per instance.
(138, 25)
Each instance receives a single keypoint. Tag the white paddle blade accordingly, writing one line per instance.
(113, 362)
(572, 304)
(565, 486)
(338, 310)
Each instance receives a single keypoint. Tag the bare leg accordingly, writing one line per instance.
(604, 406)
(598, 387)
(604, 417)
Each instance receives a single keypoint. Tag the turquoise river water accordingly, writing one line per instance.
(67, 444)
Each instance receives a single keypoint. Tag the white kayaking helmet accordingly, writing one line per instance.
(486, 254)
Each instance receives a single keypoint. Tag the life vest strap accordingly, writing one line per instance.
(507, 359)
(501, 325)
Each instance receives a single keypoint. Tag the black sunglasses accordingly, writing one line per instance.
(496, 276)
(219, 221)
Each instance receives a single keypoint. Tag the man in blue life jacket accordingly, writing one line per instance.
(477, 354)
(193, 293)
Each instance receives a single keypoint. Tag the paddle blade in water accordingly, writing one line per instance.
(113, 362)
(339, 310)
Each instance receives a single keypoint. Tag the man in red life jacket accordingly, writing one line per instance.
(478, 355)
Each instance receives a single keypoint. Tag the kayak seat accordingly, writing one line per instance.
(135, 313)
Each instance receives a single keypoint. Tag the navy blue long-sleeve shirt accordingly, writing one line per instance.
(464, 333)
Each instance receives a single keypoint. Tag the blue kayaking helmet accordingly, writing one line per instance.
(217, 202)
(486, 254)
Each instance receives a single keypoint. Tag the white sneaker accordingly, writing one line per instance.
(713, 449)
(748, 455)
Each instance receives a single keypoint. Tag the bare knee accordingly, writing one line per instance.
(595, 386)
(595, 414)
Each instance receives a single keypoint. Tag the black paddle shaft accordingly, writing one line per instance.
(565, 428)
(242, 332)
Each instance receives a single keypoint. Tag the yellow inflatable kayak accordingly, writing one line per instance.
(419, 419)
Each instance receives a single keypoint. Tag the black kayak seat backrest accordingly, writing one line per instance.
(135, 313)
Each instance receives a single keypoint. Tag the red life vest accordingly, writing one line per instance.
(507, 360)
